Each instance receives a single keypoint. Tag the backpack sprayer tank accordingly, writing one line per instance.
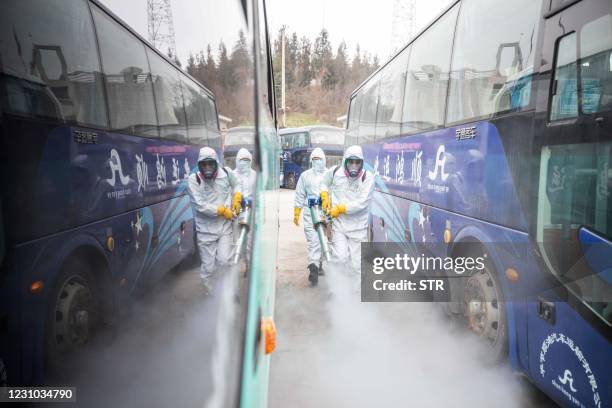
(318, 222)
(244, 225)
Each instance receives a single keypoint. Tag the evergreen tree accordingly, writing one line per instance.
(240, 59)
(304, 60)
(341, 64)
(322, 54)
(292, 60)
(226, 71)
(191, 67)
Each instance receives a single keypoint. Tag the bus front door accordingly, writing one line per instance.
(569, 322)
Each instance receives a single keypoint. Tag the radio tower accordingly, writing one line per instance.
(161, 27)
(404, 23)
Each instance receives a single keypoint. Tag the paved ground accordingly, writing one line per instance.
(166, 350)
(334, 351)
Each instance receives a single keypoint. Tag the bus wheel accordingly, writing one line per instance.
(291, 181)
(72, 316)
(485, 314)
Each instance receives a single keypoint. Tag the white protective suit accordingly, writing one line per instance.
(247, 179)
(350, 229)
(214, 232)
(309, 185)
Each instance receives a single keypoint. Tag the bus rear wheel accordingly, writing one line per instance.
(72, 318)
(484, 311)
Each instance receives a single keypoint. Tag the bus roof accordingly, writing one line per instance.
(151, 46)
(418, 34)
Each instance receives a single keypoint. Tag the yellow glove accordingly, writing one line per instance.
(337, 210)
(325, 204)
(296, 216)
(225, 212)
(237, 203)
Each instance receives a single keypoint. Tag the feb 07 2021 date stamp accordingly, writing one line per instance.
(37, 394)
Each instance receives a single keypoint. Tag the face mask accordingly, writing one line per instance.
(208, 169)
(318, 165)
(244, 166)
(354, 169)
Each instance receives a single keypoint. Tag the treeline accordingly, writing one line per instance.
(318, 80)
(229, 75)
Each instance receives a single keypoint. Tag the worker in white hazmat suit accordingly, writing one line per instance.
(247, 178)
(215, 199)
(308, 186)
(346, 193)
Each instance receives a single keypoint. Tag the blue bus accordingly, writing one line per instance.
(490, 132)
(298, 143)
(100, 132)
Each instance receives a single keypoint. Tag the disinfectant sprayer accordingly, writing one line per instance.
(318, 222)
(244, 220)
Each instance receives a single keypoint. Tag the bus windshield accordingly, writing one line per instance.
(326, 137)
(244, 137)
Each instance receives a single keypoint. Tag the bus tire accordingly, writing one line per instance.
(291, 181)
(484, 311)
(73, 315)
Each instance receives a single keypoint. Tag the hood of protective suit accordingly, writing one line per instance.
(208, 153)
(352, 151)
(242, 167)
(243, 154)
(319, 153)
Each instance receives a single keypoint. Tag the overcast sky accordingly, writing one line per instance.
(364, 22)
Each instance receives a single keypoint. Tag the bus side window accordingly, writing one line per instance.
(212, 121)
(369, 106)
(46, 73)
(427, 76)
(127, 77)
(168, 98)
(287, 141)
(301, 140)
(389, 112)
(596, 65)
(492, 63)
(195, 108)
(353, 122)
(564, 101)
